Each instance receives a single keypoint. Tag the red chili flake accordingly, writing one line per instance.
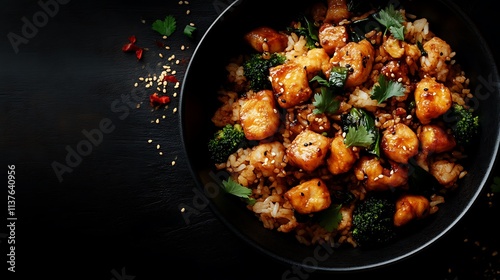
(138, 54)
(170, 78)
(155, 99)
(132, 47)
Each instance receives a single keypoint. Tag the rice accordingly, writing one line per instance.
(266, 167)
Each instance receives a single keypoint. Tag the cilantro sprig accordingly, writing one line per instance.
(325, 102)
(336, 81)
(392, 20)
(386, 89)
(331, 217)
(188, 30)
(308, 30)
(232, 187)
(360, 131)
(359, 137)
(165, 27)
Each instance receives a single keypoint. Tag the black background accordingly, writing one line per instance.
(117, 215)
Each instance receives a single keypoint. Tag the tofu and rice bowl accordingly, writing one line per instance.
(340, 134)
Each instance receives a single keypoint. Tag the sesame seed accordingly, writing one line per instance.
(175, 110)
(157, 146)
(188, 12)
(157, 121)
(160, 153)
(173, 162)
(160, 55)
(183, 209)
(150, 141)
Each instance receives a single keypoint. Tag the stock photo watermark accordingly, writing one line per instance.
(122, 275)
(30, 26)
(11, 218)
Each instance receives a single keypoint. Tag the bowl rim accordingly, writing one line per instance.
(425, 245)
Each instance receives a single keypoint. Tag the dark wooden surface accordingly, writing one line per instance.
(114, 211)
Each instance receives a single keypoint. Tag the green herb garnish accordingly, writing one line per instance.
(386, 89)
(165, 27)
(359, 136)
(188, 30)
(330, 218)
(392, 20)
(232, 187)
(361, 131)
(325, 102)
(308, 30)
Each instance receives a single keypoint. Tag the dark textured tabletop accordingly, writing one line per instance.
(100, 175)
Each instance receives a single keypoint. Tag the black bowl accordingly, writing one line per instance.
(206, 72)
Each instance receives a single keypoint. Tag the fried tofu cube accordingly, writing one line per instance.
(341, 158)
(308, 150)
(309, 197)
(332, 37)
(358, 58)
(290, 84)
(258, 116)
(266, 39)
(314, 61)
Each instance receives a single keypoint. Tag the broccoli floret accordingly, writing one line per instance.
(256, 70)
(372, 221)
(465, 125)
(225, 142)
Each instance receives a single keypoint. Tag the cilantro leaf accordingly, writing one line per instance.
(338, 76)
(359, 136)
(308, 30)
(321, 81)
(392, 20)
(330, 218)
(356, 118)
(386, 89)
(188, 30)
(232, 187)
(165, 27)
(325, 102)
